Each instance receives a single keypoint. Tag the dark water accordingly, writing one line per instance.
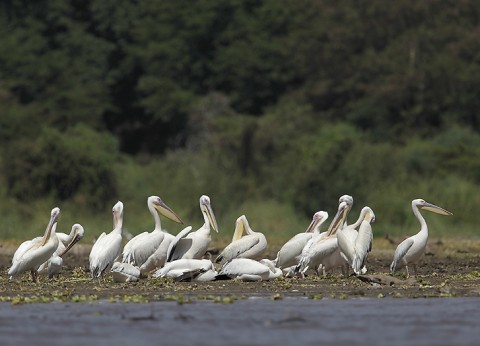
(256, 321)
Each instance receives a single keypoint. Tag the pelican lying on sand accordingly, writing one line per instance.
(188, 270)
(246, 269)
(252, 245)
(411, 249)
(32, 253)
(108, 246)
(194, 245)
(125, 272)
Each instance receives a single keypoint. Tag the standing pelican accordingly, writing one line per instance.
(195, 244)
(355, 245)
(65, 243)
(138, 250)
(324, 250)
(188, 270)
(31, 254)
(291, 251)
(409, 251)
(252, 245)
(246, 269)
(108, 246)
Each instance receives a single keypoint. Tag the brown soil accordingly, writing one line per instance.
(449, 268)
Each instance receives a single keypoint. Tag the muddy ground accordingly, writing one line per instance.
(448, 269)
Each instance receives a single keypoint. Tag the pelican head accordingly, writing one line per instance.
(339, 218)
(54, 215)
(206, 209)
(78, 232)
(347, 199)
(421, 204)
(369, 214)
(117, 211)
(318, 218)
(163, 209)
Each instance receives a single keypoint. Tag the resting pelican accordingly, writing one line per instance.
(324, 249)
(195, 244)
(409, 251)
(139, 249)
(66, 242)
(291, 251)
(108, 246)
(188, 270)
(355, 245)
(125, 272)
(31, 254)
(252, 245)
(246, 269)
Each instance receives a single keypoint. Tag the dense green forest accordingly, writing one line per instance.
(272, 108)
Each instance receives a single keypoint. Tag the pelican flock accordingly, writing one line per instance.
(183, 257)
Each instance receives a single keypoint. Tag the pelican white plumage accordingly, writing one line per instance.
(291, 251)
(194, 245)
(31, 254)
(108, 246)
(324, 249)
(246, 269)
(125, 272)
(252, 245)
(66, 242)
(411, 249)
(141, 247)
(188, 270)
(355, 245)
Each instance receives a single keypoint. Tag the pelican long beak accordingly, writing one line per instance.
(165, 210)
(312, 226)
(435, 209)
(239, 228)
(339, 219)
(211, 217)
(73, 242)
(53, 219)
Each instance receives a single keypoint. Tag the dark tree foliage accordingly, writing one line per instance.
(279, 94)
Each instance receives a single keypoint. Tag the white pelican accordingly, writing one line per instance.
(409, 251)
(66, 242)
(252, 245)
(188, 269)
(108, 246)
(195, 244)
(291, 251)
(125, 272)
(324, 249)
(246, 269)
(355, 245)
(139, 249)
(31, 254)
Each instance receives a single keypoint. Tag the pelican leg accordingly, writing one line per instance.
(408, 274)
(34, 274)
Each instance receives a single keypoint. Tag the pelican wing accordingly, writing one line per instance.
(144, 245)
(363, 245)
(24, 247)
(104, 252)
(179, 245)
(345, 238)
(158, 258)
(291, 250)
(314, 255)
(400, 252)
(238, 248)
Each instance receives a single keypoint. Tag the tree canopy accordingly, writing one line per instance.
(292, 101)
